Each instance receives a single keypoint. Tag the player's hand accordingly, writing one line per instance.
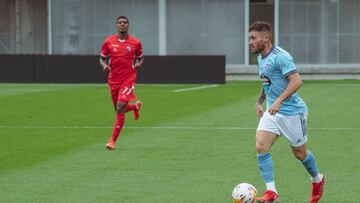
(259, 110)
(106, 67)
(274, 108)
(137, 66)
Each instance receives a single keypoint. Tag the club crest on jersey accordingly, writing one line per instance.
(267, 66)
(128, 48)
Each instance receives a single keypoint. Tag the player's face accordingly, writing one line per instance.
(122, 25)
(256, 42)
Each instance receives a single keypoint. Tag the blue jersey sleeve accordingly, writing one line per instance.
(286, 64)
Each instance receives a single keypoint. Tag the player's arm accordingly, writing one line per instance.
(139, 57)
(138, 63)
(104, 54)
(104, 63)
(295, 83)
(259, 102)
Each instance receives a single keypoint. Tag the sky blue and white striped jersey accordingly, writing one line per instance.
(273, 71)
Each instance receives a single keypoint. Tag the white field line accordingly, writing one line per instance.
(195, 88)
(336, 84)
(156, 127)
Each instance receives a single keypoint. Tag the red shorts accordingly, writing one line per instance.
(123, 93)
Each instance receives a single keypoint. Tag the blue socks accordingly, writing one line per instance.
(267, 172)
(266, 167)
(310, 165)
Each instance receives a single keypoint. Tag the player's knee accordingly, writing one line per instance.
(120, 108)
(262, 148)
(299, 155)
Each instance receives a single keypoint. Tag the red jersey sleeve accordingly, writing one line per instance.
(105, 50)
(139, 51)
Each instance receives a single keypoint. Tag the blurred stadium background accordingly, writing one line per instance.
(193, 143)
(322, 35)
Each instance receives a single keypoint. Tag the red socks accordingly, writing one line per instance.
(120, 120)
(119, 123)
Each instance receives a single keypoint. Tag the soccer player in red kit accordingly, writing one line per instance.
(126, 57)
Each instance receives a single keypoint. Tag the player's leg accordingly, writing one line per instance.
(308, 160)
(264, 141)
(119, 123)
(127, 94)
(295, 130)
(266, 135)
(121, 106)
(119, 119)
(135, 108)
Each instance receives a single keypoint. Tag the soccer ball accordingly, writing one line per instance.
(244, 193)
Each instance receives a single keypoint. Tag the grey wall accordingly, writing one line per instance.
(86, 69)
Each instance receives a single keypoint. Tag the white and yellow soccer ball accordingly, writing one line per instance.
(244, 193)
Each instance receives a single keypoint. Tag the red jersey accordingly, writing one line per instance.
(122, 55)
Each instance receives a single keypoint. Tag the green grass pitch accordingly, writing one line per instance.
(188, 146)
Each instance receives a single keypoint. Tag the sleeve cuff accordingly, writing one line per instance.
(290, 72)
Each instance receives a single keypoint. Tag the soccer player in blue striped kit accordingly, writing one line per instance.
(285, 114)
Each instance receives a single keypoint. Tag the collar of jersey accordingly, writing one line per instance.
(123, 40)
(272, 48)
